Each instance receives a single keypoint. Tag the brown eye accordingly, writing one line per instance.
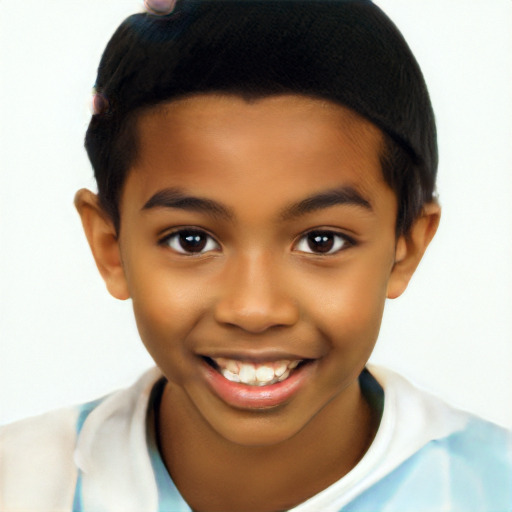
(323, 242)
(191, 241)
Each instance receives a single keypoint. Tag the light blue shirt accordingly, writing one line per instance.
(102, 457)
(467, 471)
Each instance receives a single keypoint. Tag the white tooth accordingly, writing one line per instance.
(264, 374)
(232, 366)
(279, 370)
(285, 375)
(293, 364)
(247, 373)
(233, 377)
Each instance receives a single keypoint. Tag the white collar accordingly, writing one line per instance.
(116, 470)
(411, 418)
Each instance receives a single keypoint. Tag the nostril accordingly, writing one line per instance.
(256, 317)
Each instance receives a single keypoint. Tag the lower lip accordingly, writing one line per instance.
(244, 396)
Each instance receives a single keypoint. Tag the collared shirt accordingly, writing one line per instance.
(101, 457)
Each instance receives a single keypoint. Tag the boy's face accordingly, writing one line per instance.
(253, 233)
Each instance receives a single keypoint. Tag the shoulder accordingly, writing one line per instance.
(36, 461)
(43, 458)
(427, 455)
(481, 450)
(418, 415)
(466, 459)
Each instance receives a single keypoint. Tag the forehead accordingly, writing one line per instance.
(292, 117)
(279, 146)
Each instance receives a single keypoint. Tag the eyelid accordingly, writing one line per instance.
(348, 241)
(163, 240)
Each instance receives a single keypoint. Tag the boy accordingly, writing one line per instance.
(266, 176)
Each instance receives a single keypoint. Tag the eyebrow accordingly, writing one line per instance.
(345, 195)
(175, 197)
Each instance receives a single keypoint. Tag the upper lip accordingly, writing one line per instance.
(255, 356)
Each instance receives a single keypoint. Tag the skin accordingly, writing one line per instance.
(160, 7)
(258, 288)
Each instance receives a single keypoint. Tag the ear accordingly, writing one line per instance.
(103, 241)
(411, 247)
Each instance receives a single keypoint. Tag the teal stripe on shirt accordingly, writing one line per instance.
(85, 410)
(169, 498)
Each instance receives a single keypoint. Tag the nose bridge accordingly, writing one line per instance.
(255, 297)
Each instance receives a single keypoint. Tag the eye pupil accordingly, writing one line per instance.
(320, 242)
(192, 241)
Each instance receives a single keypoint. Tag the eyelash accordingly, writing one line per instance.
(340, 243)
(173, 237)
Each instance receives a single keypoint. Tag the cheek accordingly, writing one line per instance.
(167, 306)
(349, 307)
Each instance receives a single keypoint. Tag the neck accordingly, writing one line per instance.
(213, 473)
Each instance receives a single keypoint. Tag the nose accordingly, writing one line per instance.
(255, 297)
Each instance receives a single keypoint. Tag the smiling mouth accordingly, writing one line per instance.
(254, 374)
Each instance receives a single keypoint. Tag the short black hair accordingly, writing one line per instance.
(345, 51)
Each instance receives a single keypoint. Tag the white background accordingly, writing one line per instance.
(64, 340)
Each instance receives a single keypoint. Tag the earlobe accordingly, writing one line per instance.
(410, 249)
(101, 235)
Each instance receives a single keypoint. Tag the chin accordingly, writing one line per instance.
(255, 438)
(250, 431)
